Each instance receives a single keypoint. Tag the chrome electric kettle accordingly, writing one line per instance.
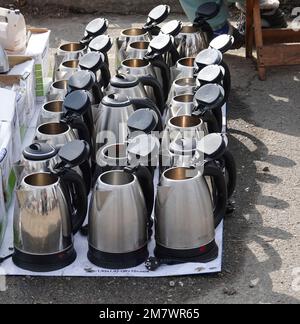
(50, 208)
(95, 28)
(86, 80)
(114, 112)
(119, 218)
(58, 90)
(60, 133)
(43, 157)
(136, 87)
(140, 68)
(95, 62)
(185, 218)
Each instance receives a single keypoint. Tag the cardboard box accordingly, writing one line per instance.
(21, 80)
(8, 113)
(7, 174)
(38, 49)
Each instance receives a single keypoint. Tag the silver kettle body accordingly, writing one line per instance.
(184, 210)
(55, 134)
(111, 124)
(190, 41)
(45, 220)
(118, 221)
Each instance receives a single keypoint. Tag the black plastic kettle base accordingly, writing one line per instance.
(118, 261)
(204, 254)
(44, 263)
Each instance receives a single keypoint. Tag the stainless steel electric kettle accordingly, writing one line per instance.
(185, 217)
(50, 208)
(114, 112)
(119, 218)
(136, 88)
(156, 68)
(86, 80)
(43, 157)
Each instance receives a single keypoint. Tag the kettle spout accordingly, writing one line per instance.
(21, 197)
(19, 168)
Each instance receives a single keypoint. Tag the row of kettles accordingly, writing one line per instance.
(164, 111)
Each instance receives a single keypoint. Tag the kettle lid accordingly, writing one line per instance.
(213, 145)
(158, 15)
(97, 27)
(143, 120)
(209, 95)
(77, 101)
(208, 56)
(160, 44)
(39, 152)
(223, 43)
(124, 81)
(82, 80)
(92, 61)
(102, 43)
(74, 153)
(172, 28)
(116, 100)
(211, 74)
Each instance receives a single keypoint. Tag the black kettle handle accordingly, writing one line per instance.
(146, 182)
(212, 123)
(105, 75)
(87, 175)
(211, 170)
(166, 75)
(150, 81)
(75, 187)
(141, 103)
(76, 122)
(97, 93)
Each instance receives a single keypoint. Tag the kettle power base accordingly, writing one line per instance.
(49, 263)
(118, 261)
(204, 254)
(82, 267)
